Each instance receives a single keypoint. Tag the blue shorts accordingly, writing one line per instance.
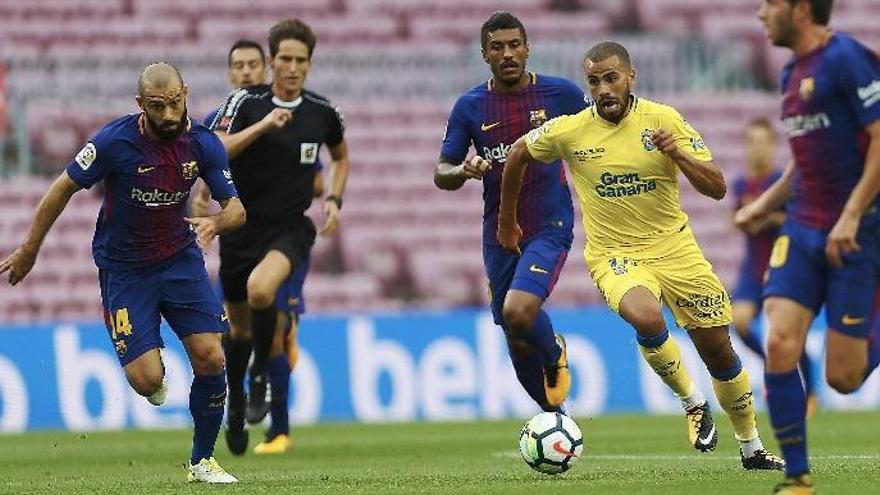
(535, 272)
(177, 289)
(749, 287)
(799, 271)
(289, 298)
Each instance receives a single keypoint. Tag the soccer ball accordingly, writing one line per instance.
(551, 443)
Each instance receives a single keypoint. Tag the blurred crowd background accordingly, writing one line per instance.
(395, 68)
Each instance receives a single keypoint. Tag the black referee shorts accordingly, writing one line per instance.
(243, 249)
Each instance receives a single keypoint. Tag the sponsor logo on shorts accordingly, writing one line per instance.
(703, 306)
(121, 347)
(849, 320)
(538, 269)
(623, 185)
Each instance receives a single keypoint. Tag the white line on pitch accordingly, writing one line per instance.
(653, 457)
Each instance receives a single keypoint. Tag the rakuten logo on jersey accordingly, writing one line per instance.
(800, 125)
(870, 94)
(157, 197)
(498, 153)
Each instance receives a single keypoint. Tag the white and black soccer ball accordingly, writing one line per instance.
(551, 443)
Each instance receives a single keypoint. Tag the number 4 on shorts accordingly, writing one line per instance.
(120, 324)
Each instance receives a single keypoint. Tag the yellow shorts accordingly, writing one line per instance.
(675, 271)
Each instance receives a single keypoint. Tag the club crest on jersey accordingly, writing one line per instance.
(190, 169)
(537, 117)
(646, 140)
(807, 88)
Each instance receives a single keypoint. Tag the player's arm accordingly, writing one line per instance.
(339, 168)
(704, 175)
(754, 216)
(842, 238)
(509, 231)
(452, 169)
(21, 261)
(201, 201)
(237, 142)
(218, 179)
(449, 177)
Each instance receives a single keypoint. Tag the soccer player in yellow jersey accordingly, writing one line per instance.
(625, 154)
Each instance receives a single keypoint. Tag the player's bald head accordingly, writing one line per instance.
(159, 75)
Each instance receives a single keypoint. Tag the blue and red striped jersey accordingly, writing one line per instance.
(829, 96)
(492, 121)
(758, 246)
(147, 183)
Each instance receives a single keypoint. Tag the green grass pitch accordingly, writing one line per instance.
(623, 455)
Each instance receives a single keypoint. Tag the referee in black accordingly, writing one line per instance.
(273, 134)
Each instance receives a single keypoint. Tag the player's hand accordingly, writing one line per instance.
(509, 235)
(205, 229)
(277, 118)
(751, 218)
(665, 142)
(18, 264)
(331, 215)
(842, 239)
(475, 167)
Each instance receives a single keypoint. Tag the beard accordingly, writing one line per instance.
(784, 36)
(168, 134)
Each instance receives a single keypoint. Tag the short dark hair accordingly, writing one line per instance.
(291, 29)
(821, 10)
(245, 43)
(501, 20)
(608, 49)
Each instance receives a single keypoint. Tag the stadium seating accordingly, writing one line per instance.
(394, 67)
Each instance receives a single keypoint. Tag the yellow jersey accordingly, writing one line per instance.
(627, 188)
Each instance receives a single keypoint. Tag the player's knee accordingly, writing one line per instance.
(518, 319)
(207, 359)
(782, 350)
(844, 382)
(259, 297)
(147, 382)
(647, 323)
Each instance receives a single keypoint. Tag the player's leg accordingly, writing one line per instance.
(262, 288)
(237, 345)
(794, 293)
(701, 305)
(131, 314)
(293, 246)
(851, 355)
(527, 361)
(277, 439)
(536, 272)
(197, 317)
(744, 313)
(283, 356)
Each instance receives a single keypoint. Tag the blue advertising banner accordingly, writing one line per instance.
(377, 367)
